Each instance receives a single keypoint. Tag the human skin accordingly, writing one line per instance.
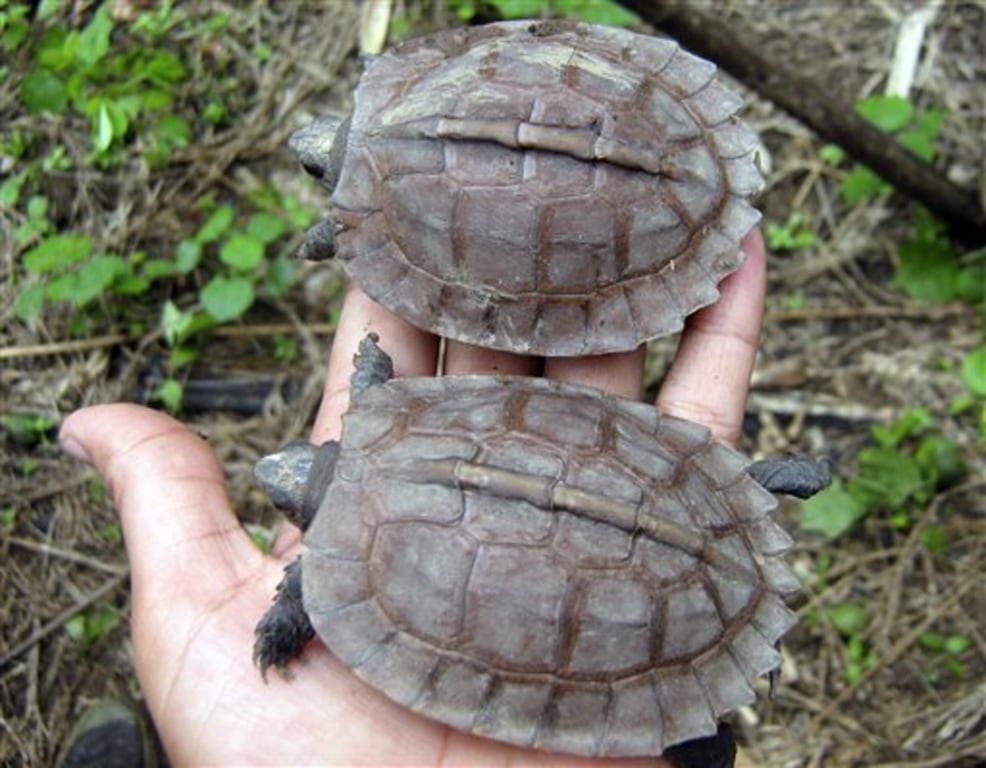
(199, 584)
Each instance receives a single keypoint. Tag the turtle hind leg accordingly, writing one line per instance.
(801, 476)
(285, 629)
(716, 751)
(373, 366)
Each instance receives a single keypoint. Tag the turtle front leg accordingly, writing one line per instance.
(320, 242)
(285, 629)
(373, 366)
(801, 476)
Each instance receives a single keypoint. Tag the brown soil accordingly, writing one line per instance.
(843, 349)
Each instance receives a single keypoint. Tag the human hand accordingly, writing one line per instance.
(199, 585)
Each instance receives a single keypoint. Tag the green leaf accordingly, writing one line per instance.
(155, 269)
(57, 252)
(165, 67)
(935, 539)
(927, 270)
(518, 9)
(888, 113)
(57, 50)
(27, 428)
(216, 225)
(974, 371)
(170, 394)
(129, 284)
(957, 644)
(597, 12)
(63, 287)
(41, 91)
(832, 154)
(95, 276)
(174, 322)
(860, 184)
(941, 459)
(187, 255)
(832, 512)
(10, 190)
(849, 619)
(265, 227)
(242, 252)
(17, 30)
(920, 138)
(911, 422)
(226, 298)
(464, 9)
(280, 276)
(932, 641)
(102, 135)
(887, 479)
(172, 132)
(30, 301)
(181, 356)
(94, 40)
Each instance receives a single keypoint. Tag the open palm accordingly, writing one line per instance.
(200, 585)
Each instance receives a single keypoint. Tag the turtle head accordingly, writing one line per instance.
(320, 148)
(296, 478)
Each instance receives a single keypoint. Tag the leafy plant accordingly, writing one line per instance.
(850, 620)
(92, 625)
(791, 235)
(948, 648)
(27, 428)
(591, 11)
(916, 129)
(901, 472)
(929, 268)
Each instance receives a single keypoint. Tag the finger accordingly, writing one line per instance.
(710, 376)
(467, 358)
(178, 524)
(619, 374)
(413, 351)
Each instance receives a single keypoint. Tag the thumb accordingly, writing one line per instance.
(180, 530)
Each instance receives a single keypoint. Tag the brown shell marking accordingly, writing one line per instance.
(572, 193)
(612, 598)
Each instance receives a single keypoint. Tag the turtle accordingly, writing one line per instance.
(546, 188)
(534, 561)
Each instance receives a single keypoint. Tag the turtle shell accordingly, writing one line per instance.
(546, 565)
(549, 188)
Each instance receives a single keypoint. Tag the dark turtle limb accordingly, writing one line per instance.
(320, 242)
(284, 630)
(801, 476)
(373, 366)
(716, 751)
(296, 478)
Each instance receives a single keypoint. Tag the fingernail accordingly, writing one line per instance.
(74, 448)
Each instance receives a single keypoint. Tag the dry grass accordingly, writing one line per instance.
(842, 349)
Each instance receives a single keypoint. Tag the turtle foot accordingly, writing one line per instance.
(373, 366)
(285, 629)
(320, 242)
(801, 476)
(716, 751)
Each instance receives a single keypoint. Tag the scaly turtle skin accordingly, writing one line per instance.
(534, 561)
(550, 188)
